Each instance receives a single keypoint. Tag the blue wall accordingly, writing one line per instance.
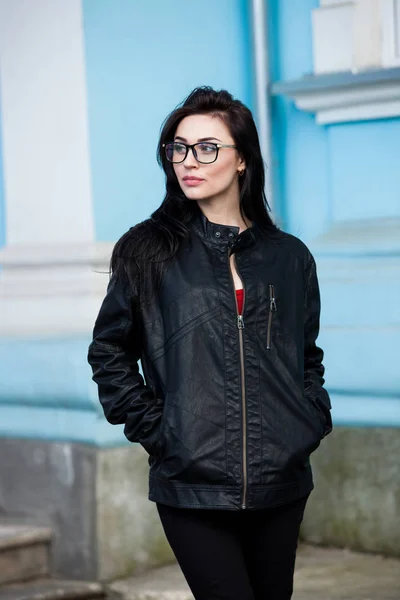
(300, 187)
(338, 175)
(324, 174)
(132, 85)
(364, 169)
(142, 59)
(47, 392)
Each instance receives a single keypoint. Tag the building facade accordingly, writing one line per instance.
(84, 88)
(336, 128)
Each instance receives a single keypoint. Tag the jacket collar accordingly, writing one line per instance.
(224, 236)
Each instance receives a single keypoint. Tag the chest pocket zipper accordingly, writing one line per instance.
(272, 309)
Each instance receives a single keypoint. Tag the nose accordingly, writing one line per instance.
(190, 160)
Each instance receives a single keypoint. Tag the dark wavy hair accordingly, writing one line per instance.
(145, 250)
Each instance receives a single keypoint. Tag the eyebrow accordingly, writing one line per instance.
(205, 139)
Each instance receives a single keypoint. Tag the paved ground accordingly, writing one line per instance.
(330, 574)
(321, 574)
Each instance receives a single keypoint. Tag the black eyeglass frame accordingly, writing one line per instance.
(192, 147)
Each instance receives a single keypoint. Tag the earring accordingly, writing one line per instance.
(241, 172)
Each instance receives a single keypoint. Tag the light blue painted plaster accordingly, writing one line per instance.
(59, 424)
(360, 323)
(47, 423)
(306, 187)
(291, 38)
(47, 372)
(47, 392)
(300, 151)
(360, 292)
(141, 61)
(361, 305)
(327, 175)
(365, 169)
(365, 410)
(362, 359)
(324, 174)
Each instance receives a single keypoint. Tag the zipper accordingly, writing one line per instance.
(272, 308)
(240, 326)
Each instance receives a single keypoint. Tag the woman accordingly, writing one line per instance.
(223, 309)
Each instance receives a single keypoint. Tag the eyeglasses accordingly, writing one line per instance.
(204, 152)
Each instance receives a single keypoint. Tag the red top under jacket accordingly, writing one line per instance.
(239, 296)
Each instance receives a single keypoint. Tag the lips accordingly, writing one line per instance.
(192, 181)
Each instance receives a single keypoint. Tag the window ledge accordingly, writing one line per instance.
(342, 97)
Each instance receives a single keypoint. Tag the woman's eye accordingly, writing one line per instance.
(207, 148)
(179, 148)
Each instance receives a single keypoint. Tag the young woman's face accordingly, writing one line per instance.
(206, 181)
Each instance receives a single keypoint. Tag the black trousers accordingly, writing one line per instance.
(229, 555)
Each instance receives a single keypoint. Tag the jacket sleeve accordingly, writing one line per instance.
(313, 355)
(113, 355)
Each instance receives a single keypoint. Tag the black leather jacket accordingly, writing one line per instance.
(229, 409)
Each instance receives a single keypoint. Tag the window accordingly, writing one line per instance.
(391, 32)
(368, 31)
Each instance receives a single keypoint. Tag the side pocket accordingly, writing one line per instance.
(159, 445)
(315, 413)
(272, 309)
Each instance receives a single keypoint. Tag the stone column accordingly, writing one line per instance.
(64, 465)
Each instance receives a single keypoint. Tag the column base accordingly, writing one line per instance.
(95, 501)
(357, 482)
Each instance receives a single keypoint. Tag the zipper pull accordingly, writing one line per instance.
(240, 322)
(272, 302)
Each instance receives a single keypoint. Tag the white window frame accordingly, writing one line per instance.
(323, 3)
(390, 33)
(382, 50)
(362, 82)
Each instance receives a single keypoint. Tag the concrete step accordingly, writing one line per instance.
(24, 552)
(53, 589)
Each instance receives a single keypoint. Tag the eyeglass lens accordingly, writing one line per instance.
(204, 152)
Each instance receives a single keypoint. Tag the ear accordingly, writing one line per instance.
(241, 166)
(241, 162)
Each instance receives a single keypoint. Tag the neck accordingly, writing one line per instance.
(224, 212)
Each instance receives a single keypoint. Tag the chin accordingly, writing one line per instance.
(194, 194)
(202, 194)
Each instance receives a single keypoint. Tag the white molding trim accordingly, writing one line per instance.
(353, 103)
(52, 290)
(55, 255)
(323, 3)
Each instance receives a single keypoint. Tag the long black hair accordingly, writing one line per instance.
(145, 250)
